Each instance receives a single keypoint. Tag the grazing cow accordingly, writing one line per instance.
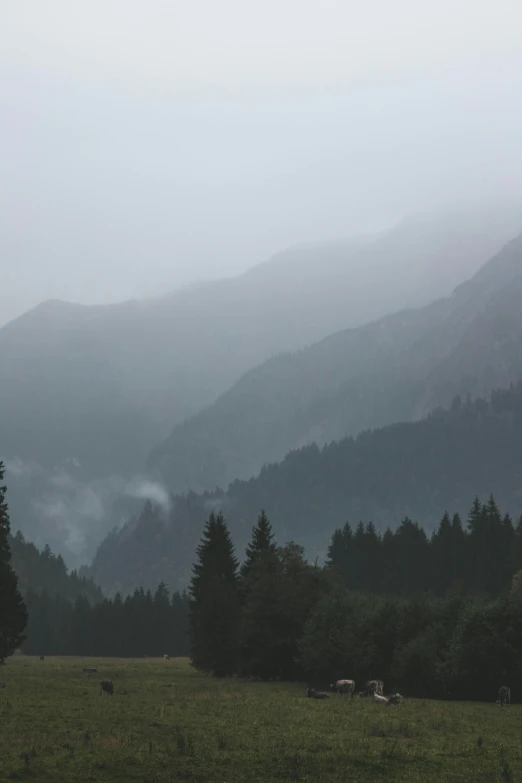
(372, 686)
(343, 687)
(378, 699)
(166, 658)
(107, 687)
(41, 657)
(313, 694)
(504, 695)
(395, 698)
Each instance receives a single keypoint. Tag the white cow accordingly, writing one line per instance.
(378, 699)
(343, 687)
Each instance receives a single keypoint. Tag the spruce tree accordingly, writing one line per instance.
(441, 555)
(13, 614)
(460, 565)
(340, 554)
(262, 617)
(214, 604)
(262, 541)
(260, 585)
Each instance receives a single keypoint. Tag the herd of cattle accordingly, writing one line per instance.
(375, 688)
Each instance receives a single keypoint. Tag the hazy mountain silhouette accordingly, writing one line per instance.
(395, 369)
(87, 392)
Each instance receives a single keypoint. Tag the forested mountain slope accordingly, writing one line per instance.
(394, 369)
(86, 392)
(101, 384)
(414, 469)
(42, 572)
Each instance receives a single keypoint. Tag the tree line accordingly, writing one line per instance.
(479, 557)
(414, 469)
(452, 630)
(141, 624)
(278, 616)
(40, 571)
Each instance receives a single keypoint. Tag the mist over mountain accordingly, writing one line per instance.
(394, 369)
(88, 391)
(415, 469)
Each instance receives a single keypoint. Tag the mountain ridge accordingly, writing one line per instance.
(394, 369)
(99, 387)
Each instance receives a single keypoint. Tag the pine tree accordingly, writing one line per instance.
(340, 554)
(413, 554)
(262, 541)
(161, 615)
(441, 555)
(475, 516)
(13, 614)
(261, 616)
(459, 555)
(478, 528)
(500, 538)
(214, 605)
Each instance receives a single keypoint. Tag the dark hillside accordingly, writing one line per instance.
(87, 392)
(395, 369)
(42, 572)
(410, 469)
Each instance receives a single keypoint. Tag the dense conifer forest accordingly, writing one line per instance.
(42, 571)
(437, 616)
(414, 470)
(282, 617)
(141, 624)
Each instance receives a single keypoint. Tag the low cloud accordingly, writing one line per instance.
(73, 515)
(144, 489)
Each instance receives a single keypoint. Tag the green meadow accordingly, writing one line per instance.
(166, 722)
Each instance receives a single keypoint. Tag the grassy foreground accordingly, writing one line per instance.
(167, 723)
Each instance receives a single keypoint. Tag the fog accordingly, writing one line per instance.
(75, 513)
(146, 145)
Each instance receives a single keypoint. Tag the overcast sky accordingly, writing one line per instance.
(144, 144)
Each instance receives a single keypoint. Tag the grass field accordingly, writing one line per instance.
(167, 723)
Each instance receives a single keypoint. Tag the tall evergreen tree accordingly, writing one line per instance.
(262, 617)
(215, 605)
(13, 614)
(441, 555)
(500, 541)
(262, 541)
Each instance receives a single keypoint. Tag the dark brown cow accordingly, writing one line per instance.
(313, 694)
(107, 687)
